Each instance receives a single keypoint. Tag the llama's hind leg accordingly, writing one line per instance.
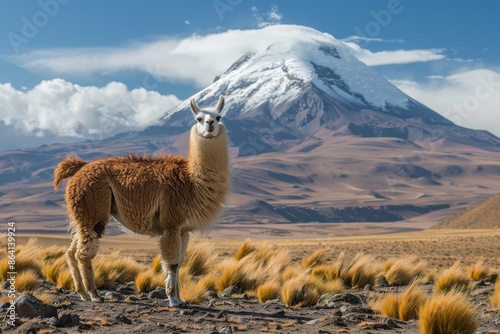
(87, 250)
(73, 268)
(170, 252)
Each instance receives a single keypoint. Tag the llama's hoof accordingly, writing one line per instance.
(175, 302)
(96, 299)
(84, 296)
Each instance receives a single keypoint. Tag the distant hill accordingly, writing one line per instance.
(485, 214)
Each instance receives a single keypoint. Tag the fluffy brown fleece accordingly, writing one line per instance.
(167, 196)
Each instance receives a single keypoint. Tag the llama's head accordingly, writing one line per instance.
(208, 121)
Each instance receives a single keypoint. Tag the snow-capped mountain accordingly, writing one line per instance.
(315, 136)
(292, 89)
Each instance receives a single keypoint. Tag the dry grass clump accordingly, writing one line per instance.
(246, 248)
(453, 278)
(64, 280)
(156, 265)
(404, 306)
(27, 280)
(495, 297)
(52, 253)
(51, 271)
(447, 313)
(200, 258)
(362, 270)
(478, 271)
(148, 281)
(268, 291)
(25, 260)
(115, 268)
(299, 292)
(403, 271)
(266, 263)
(327, 286)
(315, 259)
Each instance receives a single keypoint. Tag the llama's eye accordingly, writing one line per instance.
(218, 118)
(199, 119)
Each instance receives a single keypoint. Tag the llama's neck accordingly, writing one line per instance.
(208, 157)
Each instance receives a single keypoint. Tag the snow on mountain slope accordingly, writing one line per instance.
(279, 72)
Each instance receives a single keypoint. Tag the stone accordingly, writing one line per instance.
(349, 298)
(69, 320)
(158, 293)
(123, 319)
(349, 309)
(28, 306)
(113, 295)
(52, 321)
(226, 330)
(227, 292)
(125, 290)
(368, 287)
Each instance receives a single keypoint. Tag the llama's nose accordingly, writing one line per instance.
(210, 121)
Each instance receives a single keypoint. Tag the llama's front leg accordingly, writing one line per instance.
(170, 251)
(86, 251)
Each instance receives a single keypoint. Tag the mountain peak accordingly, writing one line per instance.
(290, 89)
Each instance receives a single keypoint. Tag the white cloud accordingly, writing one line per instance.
(269, 18)
(198, 59)
(57, 108)
(395, 56)
(470, 98)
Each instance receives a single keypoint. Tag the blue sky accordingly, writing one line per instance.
(441, 53)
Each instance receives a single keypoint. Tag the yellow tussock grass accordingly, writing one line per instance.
(263, 265)
(156, 265)
(410, 302)
(209, 281)
(299, 292)
(478, 271)
(52, 253)
(46, 298)
(453, 278)
(25, 260)
(148, 281)
(200, 257)
(327, 286)
(315, 259)
(115, 268)
(447, 313)
(268, 291)
(191, 290)
(51, 270)
(290, 272)
(495, 296)
(64, 280)
(404, 306)
(246, 248)
(403, 271)
(325, 272)
(363, 270)
(230, 274)
(27, 280)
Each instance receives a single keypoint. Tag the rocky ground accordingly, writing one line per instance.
(127, 311)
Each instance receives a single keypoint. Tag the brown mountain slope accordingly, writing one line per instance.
(485, 214)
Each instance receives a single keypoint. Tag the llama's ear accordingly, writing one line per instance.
(194, 107)
(220, 105)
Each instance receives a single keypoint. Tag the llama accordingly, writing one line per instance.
(167, 197)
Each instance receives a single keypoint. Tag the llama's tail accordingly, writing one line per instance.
(67, 168)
